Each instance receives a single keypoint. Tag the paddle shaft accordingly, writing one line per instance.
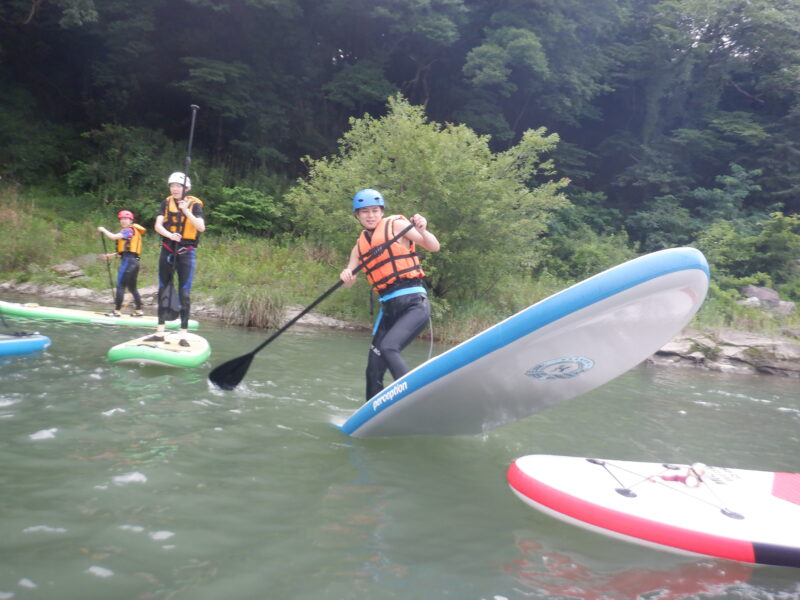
(188, 161)
(108, 268)
(333, 288)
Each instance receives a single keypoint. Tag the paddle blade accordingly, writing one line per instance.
(228, 375)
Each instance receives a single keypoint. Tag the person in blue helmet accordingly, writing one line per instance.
(392, 267)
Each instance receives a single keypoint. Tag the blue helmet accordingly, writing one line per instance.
(367, 197)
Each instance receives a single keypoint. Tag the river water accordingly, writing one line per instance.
(126, 482)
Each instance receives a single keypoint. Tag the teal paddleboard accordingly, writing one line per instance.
(22, 343)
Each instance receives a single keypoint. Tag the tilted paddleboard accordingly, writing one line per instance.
(167, 353)
(736, 514)
(22, 343)
(554, 350)
(34, 311)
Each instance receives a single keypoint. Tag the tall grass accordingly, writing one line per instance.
(250, 306)
(26, 236)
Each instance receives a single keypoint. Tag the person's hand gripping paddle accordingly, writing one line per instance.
(228, 375)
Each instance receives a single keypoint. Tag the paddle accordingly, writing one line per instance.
(13, 333)
(108, 268)
(228, 375)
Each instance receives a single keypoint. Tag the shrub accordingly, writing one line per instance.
(488, 210)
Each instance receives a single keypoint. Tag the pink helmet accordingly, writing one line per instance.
(125, 214)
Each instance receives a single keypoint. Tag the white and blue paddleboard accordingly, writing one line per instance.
(735, 514)
(554, 350)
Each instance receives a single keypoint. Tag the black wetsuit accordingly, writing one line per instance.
(127, 274)
(180, 257)
(403, 318)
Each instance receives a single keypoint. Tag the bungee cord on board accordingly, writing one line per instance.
(696, 471)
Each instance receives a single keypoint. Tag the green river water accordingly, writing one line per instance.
(127, 482)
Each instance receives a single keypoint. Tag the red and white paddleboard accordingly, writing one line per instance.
(735, 514)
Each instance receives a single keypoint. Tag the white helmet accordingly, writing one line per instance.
(178, 177)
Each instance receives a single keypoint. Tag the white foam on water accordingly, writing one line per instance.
(101, 572)
(44, 529)
(44, 434)
(127, 478)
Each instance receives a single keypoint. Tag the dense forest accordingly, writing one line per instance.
(671, 122)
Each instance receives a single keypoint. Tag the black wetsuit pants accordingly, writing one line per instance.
(127, 274)
(182, 262)
(403, 319)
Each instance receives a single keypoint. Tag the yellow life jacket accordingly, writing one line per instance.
(175, 220)
(394, 263)
(135, 243)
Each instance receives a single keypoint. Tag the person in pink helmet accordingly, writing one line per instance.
(129, 247)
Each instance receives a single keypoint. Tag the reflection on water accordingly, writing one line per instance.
(120, 481)
(556, 574)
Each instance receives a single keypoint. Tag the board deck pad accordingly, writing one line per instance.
(12, 344)
(735, 514)
(32, 310)
(167, 353)
(550, 352)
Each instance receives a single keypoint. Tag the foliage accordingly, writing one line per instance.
(477, 203)
(669, 221)
(727, 201)
(31, 147)
(659, 96)
(246, 210)
(128, 168)
(582, 253)
(676, 117)
(777, 248)
(664, 223)
(772, 251)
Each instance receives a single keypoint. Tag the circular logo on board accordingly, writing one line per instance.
(561, 368)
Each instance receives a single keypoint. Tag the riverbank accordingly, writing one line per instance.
(201, 307)
(724, 351)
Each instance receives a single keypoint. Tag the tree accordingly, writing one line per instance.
(706, 83)
(488, 209)
(540, 62)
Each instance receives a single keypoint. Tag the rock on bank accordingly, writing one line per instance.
(732, 352)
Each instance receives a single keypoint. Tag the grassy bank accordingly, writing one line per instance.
(253, 279)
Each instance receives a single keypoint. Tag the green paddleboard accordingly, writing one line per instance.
(34, 311)
(167, 353)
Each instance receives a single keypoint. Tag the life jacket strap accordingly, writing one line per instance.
(182, 250)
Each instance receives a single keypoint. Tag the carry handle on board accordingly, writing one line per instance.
(228, 375)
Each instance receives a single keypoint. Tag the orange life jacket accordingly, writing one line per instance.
(175, 220)
(135, 243)
(394, 263)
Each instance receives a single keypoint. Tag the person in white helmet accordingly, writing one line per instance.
(180, 223)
